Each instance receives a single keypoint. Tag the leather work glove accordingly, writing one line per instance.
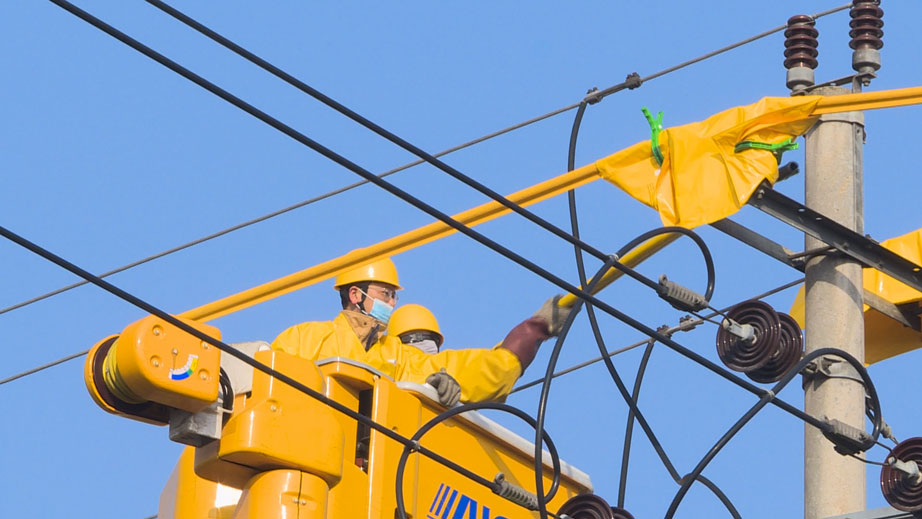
(553, 314)
(447, 387)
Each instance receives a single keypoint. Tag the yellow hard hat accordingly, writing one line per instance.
(381, 271)
(412, 318)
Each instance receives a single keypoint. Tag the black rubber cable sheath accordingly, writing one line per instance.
(546, 390)
(629, 427)
(630, 399)
(625, 457)
(445, 415)
(765, 399)
(393, 138)
(387, 186)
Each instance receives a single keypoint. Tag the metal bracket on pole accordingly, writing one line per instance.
(906, 315)
(860, 248)
(825, 368)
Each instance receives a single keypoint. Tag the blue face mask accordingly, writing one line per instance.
(380, 310)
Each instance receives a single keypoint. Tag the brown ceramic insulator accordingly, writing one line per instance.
(591, 506)
(800, 44)
(788, 353)
(745, 356)
(867, 26)
(897, 488)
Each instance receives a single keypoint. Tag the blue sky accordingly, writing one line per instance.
(108, 157)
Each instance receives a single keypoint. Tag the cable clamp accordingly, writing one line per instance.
(633, 81)
(910, 470)
(656, 126)
(413, 445)
(514, 493)
(777, 149)
(681, 298)
(592, 96)
(825, 368)
(745, 332)
(846, 438)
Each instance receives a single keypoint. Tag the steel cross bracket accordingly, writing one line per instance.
(860, 248)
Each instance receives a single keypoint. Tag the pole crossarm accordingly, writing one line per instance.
(856, 246)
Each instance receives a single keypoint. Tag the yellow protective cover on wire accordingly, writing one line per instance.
(483, 374)
(883, 337)
(702, 179)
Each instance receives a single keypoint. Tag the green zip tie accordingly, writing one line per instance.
(776, 149)
(656, 126)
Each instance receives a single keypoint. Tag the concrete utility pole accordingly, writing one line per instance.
(834, 484)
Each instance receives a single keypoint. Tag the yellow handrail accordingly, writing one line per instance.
(869, 100)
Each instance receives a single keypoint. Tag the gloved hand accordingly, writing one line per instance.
(553, 315)
(447, 387)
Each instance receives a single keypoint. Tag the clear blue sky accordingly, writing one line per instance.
(108, 157)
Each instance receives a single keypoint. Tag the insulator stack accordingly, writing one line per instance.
(800, 51)
(867, 30)
(772, 345)
(591, 506)
(902, 490)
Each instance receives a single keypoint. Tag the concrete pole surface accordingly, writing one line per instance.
(834, 484)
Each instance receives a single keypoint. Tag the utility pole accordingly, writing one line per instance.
(834, 484)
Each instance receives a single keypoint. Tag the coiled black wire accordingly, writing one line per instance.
(473, 406)
(632, 399)
(874, 402)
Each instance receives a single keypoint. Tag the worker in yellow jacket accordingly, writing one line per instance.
(368, 295)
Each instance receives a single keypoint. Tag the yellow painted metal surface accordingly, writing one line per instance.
(188, 496)
(364, 483)
(157, 362)
(283, 427)
(883, 336)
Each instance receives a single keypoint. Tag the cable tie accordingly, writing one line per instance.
(656, 126)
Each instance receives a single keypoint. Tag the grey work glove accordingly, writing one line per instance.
(553, 314)
(447, 387)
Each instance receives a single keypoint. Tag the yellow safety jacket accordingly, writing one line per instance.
(483, 374)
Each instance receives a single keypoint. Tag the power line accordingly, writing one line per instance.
(44, 367)
(594, 96)
(412, 200)
(683, 326)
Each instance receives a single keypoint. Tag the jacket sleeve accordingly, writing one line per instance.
(482, 374)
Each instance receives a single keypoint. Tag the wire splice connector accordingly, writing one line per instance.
(846, 438)
(514, 493)
(680, 297)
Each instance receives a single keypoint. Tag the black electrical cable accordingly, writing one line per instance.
(403, 195)
(395, 139)
(683, 326)
(581, 270)
(546, 389)
(592, 97)
(629, 428)
(473, 406)
(705, 251)
(230, 350)
(625, 456)
(770, 395)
